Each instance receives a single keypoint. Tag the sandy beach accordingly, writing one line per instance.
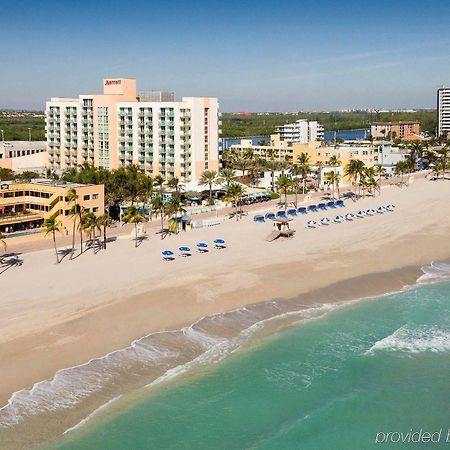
(56, 316)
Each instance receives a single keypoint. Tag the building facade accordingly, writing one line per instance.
(443, 111)
(301, 132)
(20, 156)
(26, 204)
(115, 129)
(394, 130)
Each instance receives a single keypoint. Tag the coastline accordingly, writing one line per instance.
(335, 267)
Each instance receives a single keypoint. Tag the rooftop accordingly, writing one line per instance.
(46, 182)
(401, 122)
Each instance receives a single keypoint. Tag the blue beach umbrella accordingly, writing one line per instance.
(167, 253)
(184, 249)
(202, 245)
(219, 241)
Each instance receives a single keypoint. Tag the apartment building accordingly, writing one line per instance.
(301, 132)
(277, 150)
(116, 128)
(26, 204)
(394, 130)
(443, 111)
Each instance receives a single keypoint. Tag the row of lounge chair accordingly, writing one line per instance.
(202, 247)
(351, 216)
(302, 210)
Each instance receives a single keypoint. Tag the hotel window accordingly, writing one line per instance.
(94, 196)
(86, 197)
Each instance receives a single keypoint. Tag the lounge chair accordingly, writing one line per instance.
(331, 205)
(312, 208)
(302, 210)
(311, 224)
(322, 206)
(281, 214)
(270, 216)
(167, 255)
(292, 212)
(340, 203)
(202, 247)
(259, 219)
(185, 251)
(219, 244)
(325, 221)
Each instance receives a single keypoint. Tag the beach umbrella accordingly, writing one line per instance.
(167, 253)
(184, 249)
(219, 241)
(202, 245)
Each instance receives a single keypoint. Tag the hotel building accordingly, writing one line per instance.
(301, 132)
(26, 204)
(443, 111)
(394, 130)
(115, 129)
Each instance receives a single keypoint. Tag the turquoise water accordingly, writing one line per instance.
(332, 382)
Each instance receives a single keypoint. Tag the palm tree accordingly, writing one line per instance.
(443, 154)
(174, 183)
(3, 242)
(159, 208)
(333, 178)
(227, 176)
(209, 177)
(400, 169)
(355, 170)
(295, 171)
(319, 173)
(283, 184)
(51, 225)
(132, 215)
(173, 208)
(272, 166)
(334, 162)
(234, 194)
(103, 222)
(379, 171)
(90, 225)
(81, 219)
(416, 149)
(159, 181)
(72, 197)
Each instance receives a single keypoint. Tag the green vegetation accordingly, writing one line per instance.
(16, 128)
(258, 125)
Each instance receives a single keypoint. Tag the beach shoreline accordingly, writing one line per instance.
(62, 328)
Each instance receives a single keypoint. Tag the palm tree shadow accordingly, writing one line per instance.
(140, 239)
(6, 264)
(64, 253)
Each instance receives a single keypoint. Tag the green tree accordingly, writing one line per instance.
(73, 197)
(132, 215)
(52, 226)
(283, 184)
(355, 171)
(227, 176)
(208, 178)
(234, 194)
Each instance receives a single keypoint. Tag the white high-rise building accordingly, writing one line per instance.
(443, 110)
(301, 132)
(114, 129)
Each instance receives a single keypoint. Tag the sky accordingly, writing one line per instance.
(308, 55)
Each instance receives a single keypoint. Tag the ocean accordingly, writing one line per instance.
(359, 375)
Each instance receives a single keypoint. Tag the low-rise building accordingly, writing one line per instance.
(394, 130)
(21, 156)
(301, 132)
(26, 204)
(388, 156)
